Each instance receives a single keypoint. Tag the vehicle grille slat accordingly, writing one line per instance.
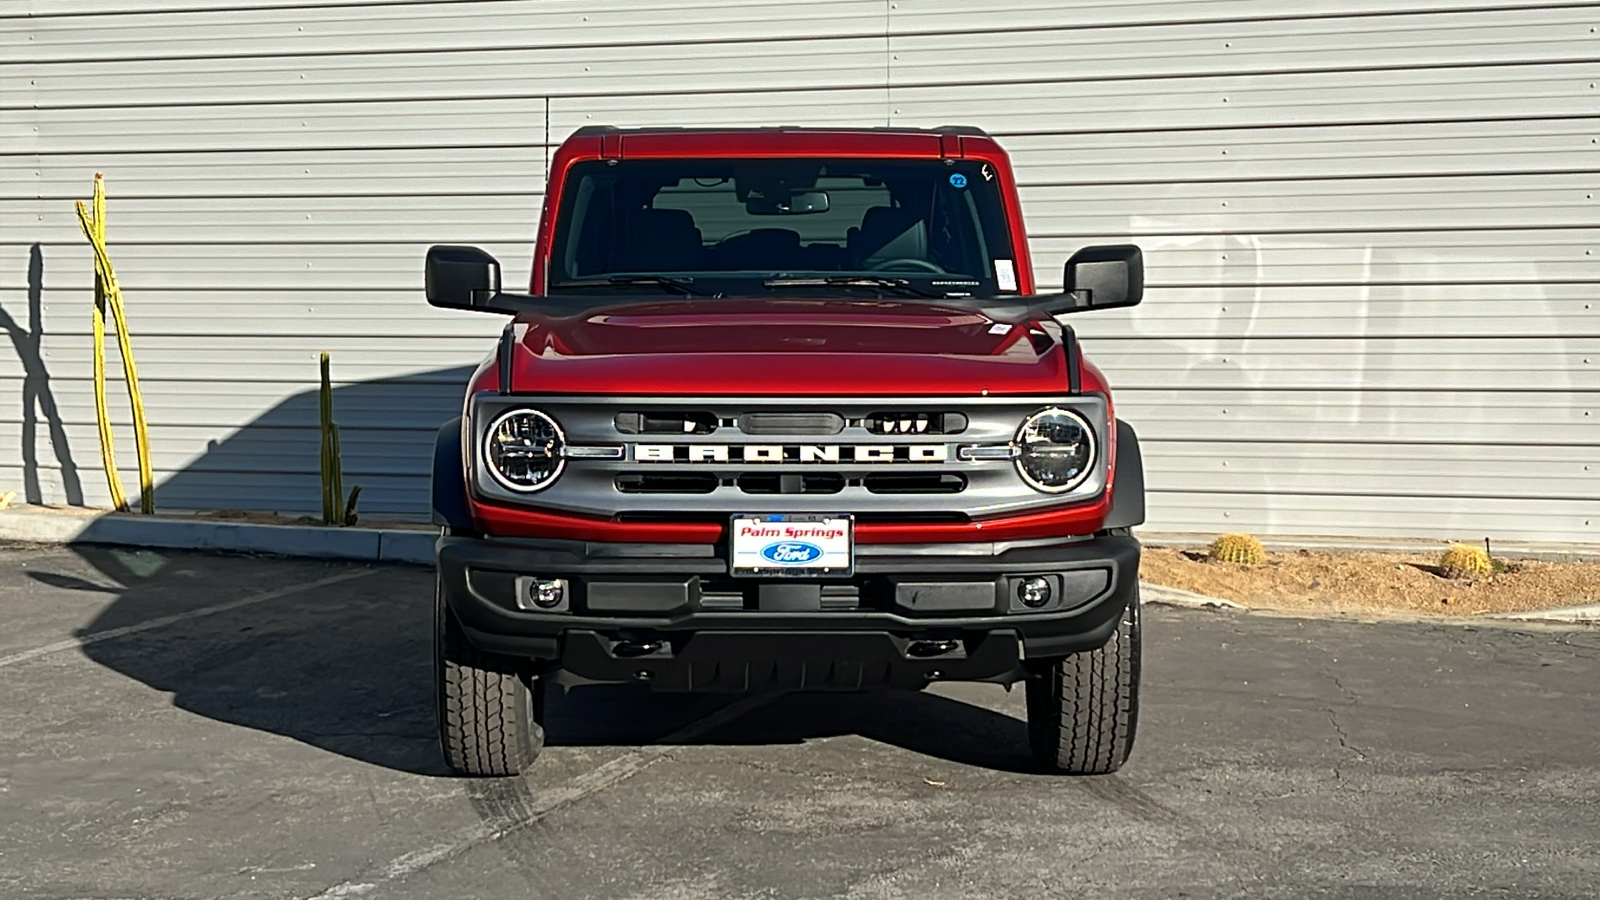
(912, 422)
(931, 483)
(668, 483)
(671, 422)
(791, 483)
(791, 423)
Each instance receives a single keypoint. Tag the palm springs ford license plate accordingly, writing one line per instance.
(792, 545)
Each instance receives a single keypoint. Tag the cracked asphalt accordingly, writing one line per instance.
(178, 725)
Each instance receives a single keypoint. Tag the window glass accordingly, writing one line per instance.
(925, 220)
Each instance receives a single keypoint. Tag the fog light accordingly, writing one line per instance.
(547, 593)
(1034, 591)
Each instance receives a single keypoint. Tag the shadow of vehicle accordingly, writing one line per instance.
(342, 666)
(923, 722)
(346, 667)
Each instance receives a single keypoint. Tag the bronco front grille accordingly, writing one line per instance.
(681, 459)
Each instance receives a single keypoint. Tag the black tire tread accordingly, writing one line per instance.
(488, 710)
(1083, 711)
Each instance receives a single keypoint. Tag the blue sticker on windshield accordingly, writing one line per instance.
(958, 180)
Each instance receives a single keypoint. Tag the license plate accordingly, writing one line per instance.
(792, 546)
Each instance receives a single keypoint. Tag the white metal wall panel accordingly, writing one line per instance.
(1371, 235)
(1370, 224)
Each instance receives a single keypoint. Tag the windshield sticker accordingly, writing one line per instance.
(1005, 273)
(999, 328)
(988, 172)
(958, 180)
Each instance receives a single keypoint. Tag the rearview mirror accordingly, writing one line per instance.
(461, 278)
(798, 203)
(1106, 277)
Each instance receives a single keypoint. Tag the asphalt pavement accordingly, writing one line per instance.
(180, 725)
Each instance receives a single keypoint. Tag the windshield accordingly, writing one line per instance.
(744, 226)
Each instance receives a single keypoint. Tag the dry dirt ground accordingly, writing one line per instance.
(1335, 581)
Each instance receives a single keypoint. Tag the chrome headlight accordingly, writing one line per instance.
(523, 450)
(1055, 450)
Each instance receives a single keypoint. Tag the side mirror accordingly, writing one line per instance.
(1105, 277)
(462, 278)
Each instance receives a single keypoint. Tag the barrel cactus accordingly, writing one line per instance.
(1238, 548)
(1465, 561)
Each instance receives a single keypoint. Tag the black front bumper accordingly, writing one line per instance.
(671, 616)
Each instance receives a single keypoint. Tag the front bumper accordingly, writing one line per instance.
(669, 614)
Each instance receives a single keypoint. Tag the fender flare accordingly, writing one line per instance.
(1127, 487)
(450, 508)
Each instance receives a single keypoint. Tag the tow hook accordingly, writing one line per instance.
(628, 649)
(926, 649)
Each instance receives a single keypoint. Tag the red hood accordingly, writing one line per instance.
(784, 347)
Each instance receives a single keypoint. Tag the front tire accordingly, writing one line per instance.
(490, 709)
(1083, 711)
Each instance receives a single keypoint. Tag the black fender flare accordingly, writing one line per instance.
(450, 508)
(1127, 488)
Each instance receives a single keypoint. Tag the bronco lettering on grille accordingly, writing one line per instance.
(789, 453)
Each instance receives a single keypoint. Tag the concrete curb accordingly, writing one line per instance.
(51, 525)
(56, 526)
(1583, 614)
(1165, 596)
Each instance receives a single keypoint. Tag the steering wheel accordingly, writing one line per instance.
(907, 264)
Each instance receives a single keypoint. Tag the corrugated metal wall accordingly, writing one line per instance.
(1371, 224)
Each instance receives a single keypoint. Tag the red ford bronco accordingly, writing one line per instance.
(782, 411)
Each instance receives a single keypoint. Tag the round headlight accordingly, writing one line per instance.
(1055, 450)
(523, 450)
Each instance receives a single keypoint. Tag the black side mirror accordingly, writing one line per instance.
(462, 278)
(1106, 277)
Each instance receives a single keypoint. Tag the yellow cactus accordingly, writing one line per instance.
(1465, 561)
(1238, 548)
(107, 294)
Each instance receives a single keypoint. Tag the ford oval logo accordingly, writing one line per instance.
(791, 553)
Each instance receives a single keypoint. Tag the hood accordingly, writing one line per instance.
(834, 347)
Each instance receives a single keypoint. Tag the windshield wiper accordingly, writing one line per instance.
(882, 284)
(677, 284)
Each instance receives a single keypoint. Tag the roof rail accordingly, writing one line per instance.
(967, 130)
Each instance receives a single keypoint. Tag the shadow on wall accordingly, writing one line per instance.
(387, 429)
(271, 464)
(339, 657)
(37, 398)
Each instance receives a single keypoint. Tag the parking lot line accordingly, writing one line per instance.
(546, 802)
(163, 621)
